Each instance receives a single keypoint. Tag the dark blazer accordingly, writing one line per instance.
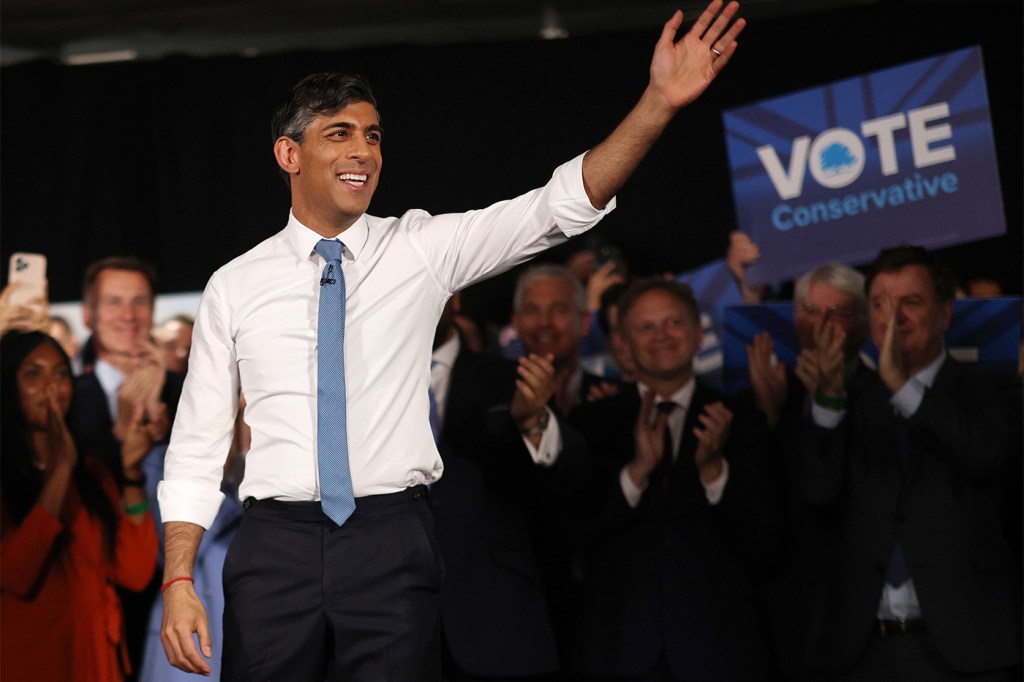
(791, 576)
(943, 506)
(91, 421)
(498, 518)
(668, 583)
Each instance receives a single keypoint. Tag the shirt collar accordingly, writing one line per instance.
(927, 375)
(447, 352)
(304, 240)
(110, 377)
(683, 397)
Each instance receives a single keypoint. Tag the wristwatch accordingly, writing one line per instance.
(538, 428)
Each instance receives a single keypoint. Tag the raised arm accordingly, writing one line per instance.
(680, 72)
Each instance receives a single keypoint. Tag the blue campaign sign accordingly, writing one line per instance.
(838, 172)
(983, 330)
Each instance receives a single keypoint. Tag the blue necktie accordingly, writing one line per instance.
(336, 496)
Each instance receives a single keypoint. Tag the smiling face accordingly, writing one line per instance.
(663, 336)
(921, 318)
(335, 169)
(547, 320)
(120, 313)
(43, 372)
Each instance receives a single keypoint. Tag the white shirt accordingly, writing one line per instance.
(441, 362)
(676, 421)
(110, 379)
(256, 329)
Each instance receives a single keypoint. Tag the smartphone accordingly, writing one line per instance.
(29, 271)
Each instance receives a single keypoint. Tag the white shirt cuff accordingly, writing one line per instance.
(631, 491)
(714, 490)
(825, 417)
(185, 501)
(546, 452)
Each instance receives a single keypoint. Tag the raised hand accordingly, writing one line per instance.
(534, 388)
(61, 451)
(602, 278)
(891, 367)
(711, 438)
(829, 343)
(649, 437)
(682, 70)
(767, 377)
(31, 317)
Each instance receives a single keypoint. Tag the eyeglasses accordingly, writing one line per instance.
(844, 311)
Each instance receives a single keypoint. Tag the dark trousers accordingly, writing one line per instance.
(307, 601)
(908, 657)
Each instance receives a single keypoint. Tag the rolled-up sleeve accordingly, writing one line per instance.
(201, 437)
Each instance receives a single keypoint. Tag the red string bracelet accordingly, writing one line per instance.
(163, 588)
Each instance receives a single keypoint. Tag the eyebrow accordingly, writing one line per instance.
(346, 125)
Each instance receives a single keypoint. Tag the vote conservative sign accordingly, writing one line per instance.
(838, 172)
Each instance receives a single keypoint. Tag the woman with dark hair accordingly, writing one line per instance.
(68, 534)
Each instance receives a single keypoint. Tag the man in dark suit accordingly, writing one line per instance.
(778, 403)
(915, 457)
(125, 380)
(667, 591)
(510, 472)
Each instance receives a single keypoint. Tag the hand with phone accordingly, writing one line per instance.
(23, 303)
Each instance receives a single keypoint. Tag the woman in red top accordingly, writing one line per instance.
(68, 534)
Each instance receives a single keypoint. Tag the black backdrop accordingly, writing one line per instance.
(171, 160)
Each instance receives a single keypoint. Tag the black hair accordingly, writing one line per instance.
(899, 257)
(318, 94)
(20, 481)
(677, 290)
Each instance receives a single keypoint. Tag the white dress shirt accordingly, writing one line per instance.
(256, 329)
(676, 421)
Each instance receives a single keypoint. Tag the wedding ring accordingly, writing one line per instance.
(717, 53)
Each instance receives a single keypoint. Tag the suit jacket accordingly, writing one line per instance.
(670, 580)
(942, 505)
(91, 421)
(498, 519)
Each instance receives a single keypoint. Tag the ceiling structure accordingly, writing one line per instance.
(90, 31)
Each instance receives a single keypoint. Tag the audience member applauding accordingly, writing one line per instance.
(69, 534)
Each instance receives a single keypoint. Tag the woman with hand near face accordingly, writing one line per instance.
(69, 535)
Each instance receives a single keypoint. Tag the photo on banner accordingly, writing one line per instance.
(834, 173)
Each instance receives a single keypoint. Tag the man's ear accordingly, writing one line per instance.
(585, 320)
(286, 151)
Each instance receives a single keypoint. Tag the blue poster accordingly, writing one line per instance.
(838, 172)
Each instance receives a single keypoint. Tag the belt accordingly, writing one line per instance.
(900, 626)
(310, 511)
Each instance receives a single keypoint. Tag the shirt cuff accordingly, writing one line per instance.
(631, 491)
(546, 452)
(184, 501)
(714, 490)
(570, 205)
(906, 400)
(826, 417)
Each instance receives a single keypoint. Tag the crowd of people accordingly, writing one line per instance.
(604, 513)
(627, 524)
